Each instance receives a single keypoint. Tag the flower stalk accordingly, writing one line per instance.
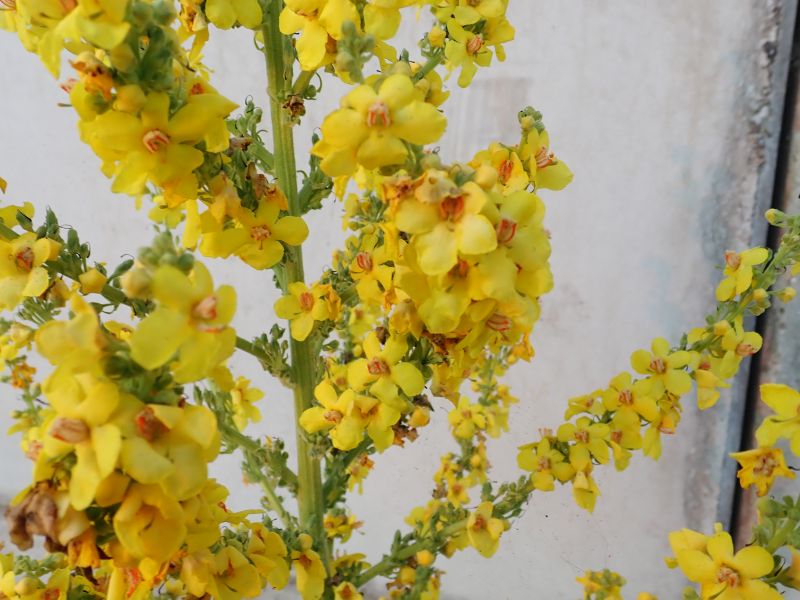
(310, 499)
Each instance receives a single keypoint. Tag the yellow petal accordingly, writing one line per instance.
(143, 463)
(158, 337)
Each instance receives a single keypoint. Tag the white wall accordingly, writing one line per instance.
(667, 113)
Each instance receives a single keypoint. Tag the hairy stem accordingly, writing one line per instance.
(277, 53)
(432, 543)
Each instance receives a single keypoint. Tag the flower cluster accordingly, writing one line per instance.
(437, 289)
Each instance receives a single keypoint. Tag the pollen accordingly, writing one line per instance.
(260, 233)
(379, 115)
(376, 366)
(24, 259)
(506, 230)
(154, 140)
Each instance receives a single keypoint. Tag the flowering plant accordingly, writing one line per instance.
(437, 286)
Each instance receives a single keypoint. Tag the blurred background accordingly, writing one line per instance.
(676, 118)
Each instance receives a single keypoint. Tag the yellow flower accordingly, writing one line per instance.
(585, 490)
(708, 386)
(625, 395)
(158, 146)
(127, 583)
(371, 128)
(785, 423)
(196, 572)
(383, 370)
(369, 270)
(191, 319)
(469, 12)
(664, 368)
(8, 213)
(446, 222)
(587, 439)
(546, 463)
(467, 418)
(358, 471)
(15, 339)
(739, 272)
(738, 345)
(85, 406)
(624, 436)
(141, 520)
(590, 403)
(82, 550)
(723, 575)
(317, 21)
(685, 539)
(243, 398)
(793, 573)
(466, 50)
(234, 576)
(268, 553)
(340, 526)
(168, 445)
(335, 415)
(546, 171)
(346, 591)
(506, 166)
(259, 241)
(309, 570)
(760, 467)
(76, 345)
(22, 274)
(225, 13)
(59, 24)
(303, 306)
(457, 490)
(484, 530)
(382, 17)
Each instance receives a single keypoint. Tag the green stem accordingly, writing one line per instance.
(433, 62)
(390, 562)
(301, 83)
(278, 55)
(250, 449)
(780, 537)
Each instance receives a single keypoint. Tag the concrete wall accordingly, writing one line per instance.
(669, 115)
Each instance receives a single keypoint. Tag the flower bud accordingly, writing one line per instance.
(92, 281)
(431, 160)
(767, 507)
(436, 37)
(775, 217)
(721, 328)
(786, 294)
(136, 283)
(420, 417)
(407, 576)
(130, 99)
(424, 558)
